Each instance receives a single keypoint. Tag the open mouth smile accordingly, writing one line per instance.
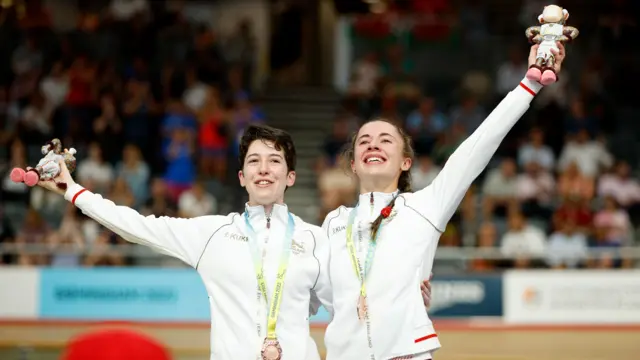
(374, 159)
(263, 183)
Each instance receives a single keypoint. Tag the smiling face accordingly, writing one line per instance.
(265, 173)
(380, 155)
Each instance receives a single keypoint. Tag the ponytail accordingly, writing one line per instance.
(404, 185)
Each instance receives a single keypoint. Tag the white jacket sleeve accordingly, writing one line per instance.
(439, 201)
(184, 239)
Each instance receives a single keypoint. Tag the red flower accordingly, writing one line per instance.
(386, 211)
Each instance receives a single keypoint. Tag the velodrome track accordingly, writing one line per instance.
(462, 340)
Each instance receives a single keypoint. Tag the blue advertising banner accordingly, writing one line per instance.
(140, 294)
(466, 295)
(123, 294)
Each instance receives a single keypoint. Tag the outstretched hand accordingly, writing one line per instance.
(558, 56)
(63, 177)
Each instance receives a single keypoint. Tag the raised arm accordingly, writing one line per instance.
(438, 201)
(184, 239)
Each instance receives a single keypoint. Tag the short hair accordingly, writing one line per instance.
(281, 141)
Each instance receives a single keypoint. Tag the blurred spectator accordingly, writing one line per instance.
(7, 234)
(213, 136)
(425, 124)
(500, 189)
(123, 10)
(15, 196)
(160, 203)
(95, 170)
(49, 205)
(469, 114)
(579, 120)
(609, 255)
(120, 193)
(36, 121)
(576, 211)
(196, 92)
(242, 115)
(621, 186)
(55, 86)
(135, 172)
(66, 240)
(423, 172)
(487, 238)
(536, 151)
(365, 77)
(399, 82)
(33, 232)
(535, 189)
(590, 156)
(336, 187)
(334, 144)
(196, 202)
(107, 128)
(138, 108)
(523, 242)
(241, 50)
(566, 247)
(27, 57)
(102, 253)
(615, 221)
(510, 72)
(574, 184)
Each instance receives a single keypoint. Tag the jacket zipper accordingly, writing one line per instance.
(371, 204)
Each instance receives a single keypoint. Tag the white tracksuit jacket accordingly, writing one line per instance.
(217, 247)
(406, 248)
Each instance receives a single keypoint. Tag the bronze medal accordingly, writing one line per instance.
(362, 307)
(271, 350)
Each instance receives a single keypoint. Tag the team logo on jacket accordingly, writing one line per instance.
(236, 237)
(393, 214)
(297, 248)
(337, 229)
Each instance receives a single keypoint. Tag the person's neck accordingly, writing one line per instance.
(378, 186)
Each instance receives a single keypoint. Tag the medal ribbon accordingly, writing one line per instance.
(276, 299)
(361, 272)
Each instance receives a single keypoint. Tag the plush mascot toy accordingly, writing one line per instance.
(552, 29)
(48, 167)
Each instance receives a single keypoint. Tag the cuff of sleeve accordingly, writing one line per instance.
(531, 87)
(73, 192)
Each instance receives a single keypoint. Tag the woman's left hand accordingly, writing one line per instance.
(426, 291)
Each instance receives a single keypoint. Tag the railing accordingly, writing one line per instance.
(443, 253)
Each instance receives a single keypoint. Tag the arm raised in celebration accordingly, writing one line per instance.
(439, 201)
(184, 239)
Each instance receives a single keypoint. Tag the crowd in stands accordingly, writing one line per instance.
(152, 102)
(556, 189)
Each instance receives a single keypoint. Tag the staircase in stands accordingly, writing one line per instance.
(307, 113)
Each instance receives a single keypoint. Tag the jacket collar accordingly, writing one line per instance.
(258, 216)
(370, 204)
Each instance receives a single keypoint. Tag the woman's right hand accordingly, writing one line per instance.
(63, 177)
